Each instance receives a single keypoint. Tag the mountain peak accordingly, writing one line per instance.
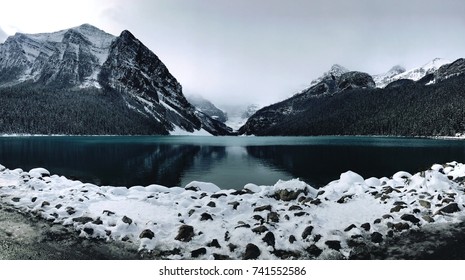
(126, 34)
(415, 74)
(338, 67)
(86, 57)
(87, 26)
(336, 71)
(397, 69)
(436, 63)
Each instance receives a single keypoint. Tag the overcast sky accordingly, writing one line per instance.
(261, 51)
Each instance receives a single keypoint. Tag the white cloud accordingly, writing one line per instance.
(3, 35)
(31, 16)
(261, 50)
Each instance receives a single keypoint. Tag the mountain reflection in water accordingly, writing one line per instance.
(229, 162)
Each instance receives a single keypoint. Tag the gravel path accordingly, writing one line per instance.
(23, 237)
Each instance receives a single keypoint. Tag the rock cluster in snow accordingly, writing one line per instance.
(289, 220)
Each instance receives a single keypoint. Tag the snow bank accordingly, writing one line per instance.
(289, 220)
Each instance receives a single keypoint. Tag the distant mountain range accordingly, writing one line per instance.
(83, 80)
(424, 101)
(208, 108)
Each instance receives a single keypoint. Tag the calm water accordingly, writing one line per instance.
(229, 162)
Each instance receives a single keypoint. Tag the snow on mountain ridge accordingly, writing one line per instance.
(98, 38)
(415, 74)
(381, 80)
(85, 56)
(336, 71)
(30, 52)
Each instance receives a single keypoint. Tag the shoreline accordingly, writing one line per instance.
(462, 137)
(288, 220)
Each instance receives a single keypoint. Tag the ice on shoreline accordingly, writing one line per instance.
(287, 220)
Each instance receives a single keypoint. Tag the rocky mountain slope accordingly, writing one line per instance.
(330, 83)
(429, 103)
(208, 108)
(118, 71)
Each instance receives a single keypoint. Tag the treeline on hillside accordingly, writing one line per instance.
(412, 110)
(34, 110)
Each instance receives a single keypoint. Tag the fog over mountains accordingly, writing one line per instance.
(84, 81)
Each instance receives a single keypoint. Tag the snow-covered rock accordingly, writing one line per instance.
(203, 221)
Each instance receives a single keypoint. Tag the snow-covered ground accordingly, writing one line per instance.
(287, 220)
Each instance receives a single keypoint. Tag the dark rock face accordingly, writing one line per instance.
(349, 228)
(206, 217)
(287, 195)
(251, 252)
(292, 239)
(198, 252)
(83, 220)
(410, 218)
(185, 233)
(214, 243)
(307, 232)
(376, 237)
(314, 250)
(355, 79)
(84, 58)
(450, 70)
(272, 217)
(132, 67)
(147, 233)
(127, 220)
(269, 239)
(263, 208)
(366, 226)
(333, 244)
(451, 208)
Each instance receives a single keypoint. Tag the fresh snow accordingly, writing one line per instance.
(224, 222)
(178, 131)
(49, 43)
(415, 74)
(336, 70)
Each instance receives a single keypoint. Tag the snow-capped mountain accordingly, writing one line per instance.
(338, 79)
(414, 74)
(334, 72)
(349, 104)
(239, 114)
(87, 57)
(381, 80)
(68, 57)
(207, 108)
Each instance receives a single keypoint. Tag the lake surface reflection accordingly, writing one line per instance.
(229, 162)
